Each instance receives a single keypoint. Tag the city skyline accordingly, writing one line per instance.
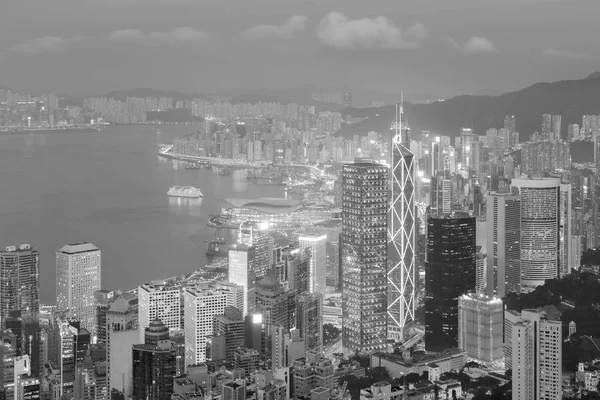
(439, 51)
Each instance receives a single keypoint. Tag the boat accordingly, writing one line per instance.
(216, 248)
(184, 191)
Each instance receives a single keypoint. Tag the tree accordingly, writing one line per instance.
(454, 395)
(379, 374)
(413, 377)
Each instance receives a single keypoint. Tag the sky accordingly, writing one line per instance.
(443, 47)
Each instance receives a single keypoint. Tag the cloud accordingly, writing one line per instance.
(179, 35)
(567, 55)
(288, 30)
(46, 44)
(474, 45)
(337, 31)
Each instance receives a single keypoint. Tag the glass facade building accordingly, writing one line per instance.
(450, 271)
(364, 256)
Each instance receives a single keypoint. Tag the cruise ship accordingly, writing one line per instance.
(184, 191)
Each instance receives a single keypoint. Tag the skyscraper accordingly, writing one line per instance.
(153, 365)
(536, 357)
(347, 99)
(240, 272)
(541, 229)
(480, 321)
(19, 281)
(317, 245)
(510, 123)
(78, 274)
(401, 236)
(503, 243)
(158, 301)
(556, 127)
(364, 256)
(309, 320)
(546, 123)
(450, 271)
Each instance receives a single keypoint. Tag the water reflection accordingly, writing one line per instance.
(187, 205)
(240, 183)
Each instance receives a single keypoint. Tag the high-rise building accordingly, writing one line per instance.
(347, 99)
(546, 123)
(480, 323)
(153, 365)
(19, 281)
(240, 272)
(364, 256)
(234, 391)
(536, 357)
(102, 300)
(556, 127)
(231, 325)
(542, 236)
(503, 243)
(450, 271)
(510, 123)
(401, 273)
(253, 236)
(309, 320)
(312, 372)
(121, 335)
(276, 304)
(159, 301)
(78, 276)
(202, 304)
(317, 244)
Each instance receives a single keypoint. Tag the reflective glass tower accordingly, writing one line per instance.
(401, 233)
(364, 256)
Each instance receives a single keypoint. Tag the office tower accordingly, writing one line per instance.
(536, 357)
(297, 269)
(276, 304)
(401, 236)
(102, 300)
(466, 148)
(230, 325)
(311, 372)
(480, 324)
(160, 301)
(481, 270)
(503, 219)
(153, 366)
(546, 123)
(556, 127)
(19, 281)
(78, 276)
(511, 317)
(332, 229)
(565, 244)
(317, 244)
(201, 304)
(540, 230)
(364, 256)
(65, 351)
(573, 132)
(449, 273)
(347, 99)
(251, 235)
(241, 273)
(309, 320)
(510, 123)
(234, 391)
(121, 335)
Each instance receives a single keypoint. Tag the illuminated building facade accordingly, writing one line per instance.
(159, 301)
(480, 324)
(78, 272)
(364, 256)
(19, 281)
(241, 273)
(401, 235)
(545, 230)
(317, 245)
(450, 271)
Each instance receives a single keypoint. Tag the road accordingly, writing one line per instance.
(333, 347)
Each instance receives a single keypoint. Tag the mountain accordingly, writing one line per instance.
(571, 99)
(148, 92)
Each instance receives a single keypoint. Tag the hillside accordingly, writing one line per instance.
(147, 92)
(571, 99)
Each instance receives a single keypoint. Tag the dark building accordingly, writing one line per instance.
(231, 326)
(450, 271)
(364, 256)
(19, 281)
(154, 365)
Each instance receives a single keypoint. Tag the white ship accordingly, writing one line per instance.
(184, 191)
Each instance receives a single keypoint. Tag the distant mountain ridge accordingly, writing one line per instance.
(571, 99)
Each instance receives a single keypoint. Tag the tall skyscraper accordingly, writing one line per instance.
(153, 365)
(503, 243)
(201, 305)
(536, 357)
(364, 256)
(480, 321)
(240, 272)
(541, 229)
(347, 99)
(556, 127)
(450, 271)
(401, 273)
(317, 245)
(78, 276)
(231, 325)
(546, 123)
(309, 320)
(19, 281)
(510, 123)
(158, 301)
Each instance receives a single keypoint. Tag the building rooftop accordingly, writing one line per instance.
(75, 248)
(266, 205)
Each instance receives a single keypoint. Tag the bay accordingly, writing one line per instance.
(109, 188)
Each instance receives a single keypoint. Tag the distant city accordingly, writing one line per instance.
(398, 265)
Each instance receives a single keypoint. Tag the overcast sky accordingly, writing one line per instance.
(444, 47)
